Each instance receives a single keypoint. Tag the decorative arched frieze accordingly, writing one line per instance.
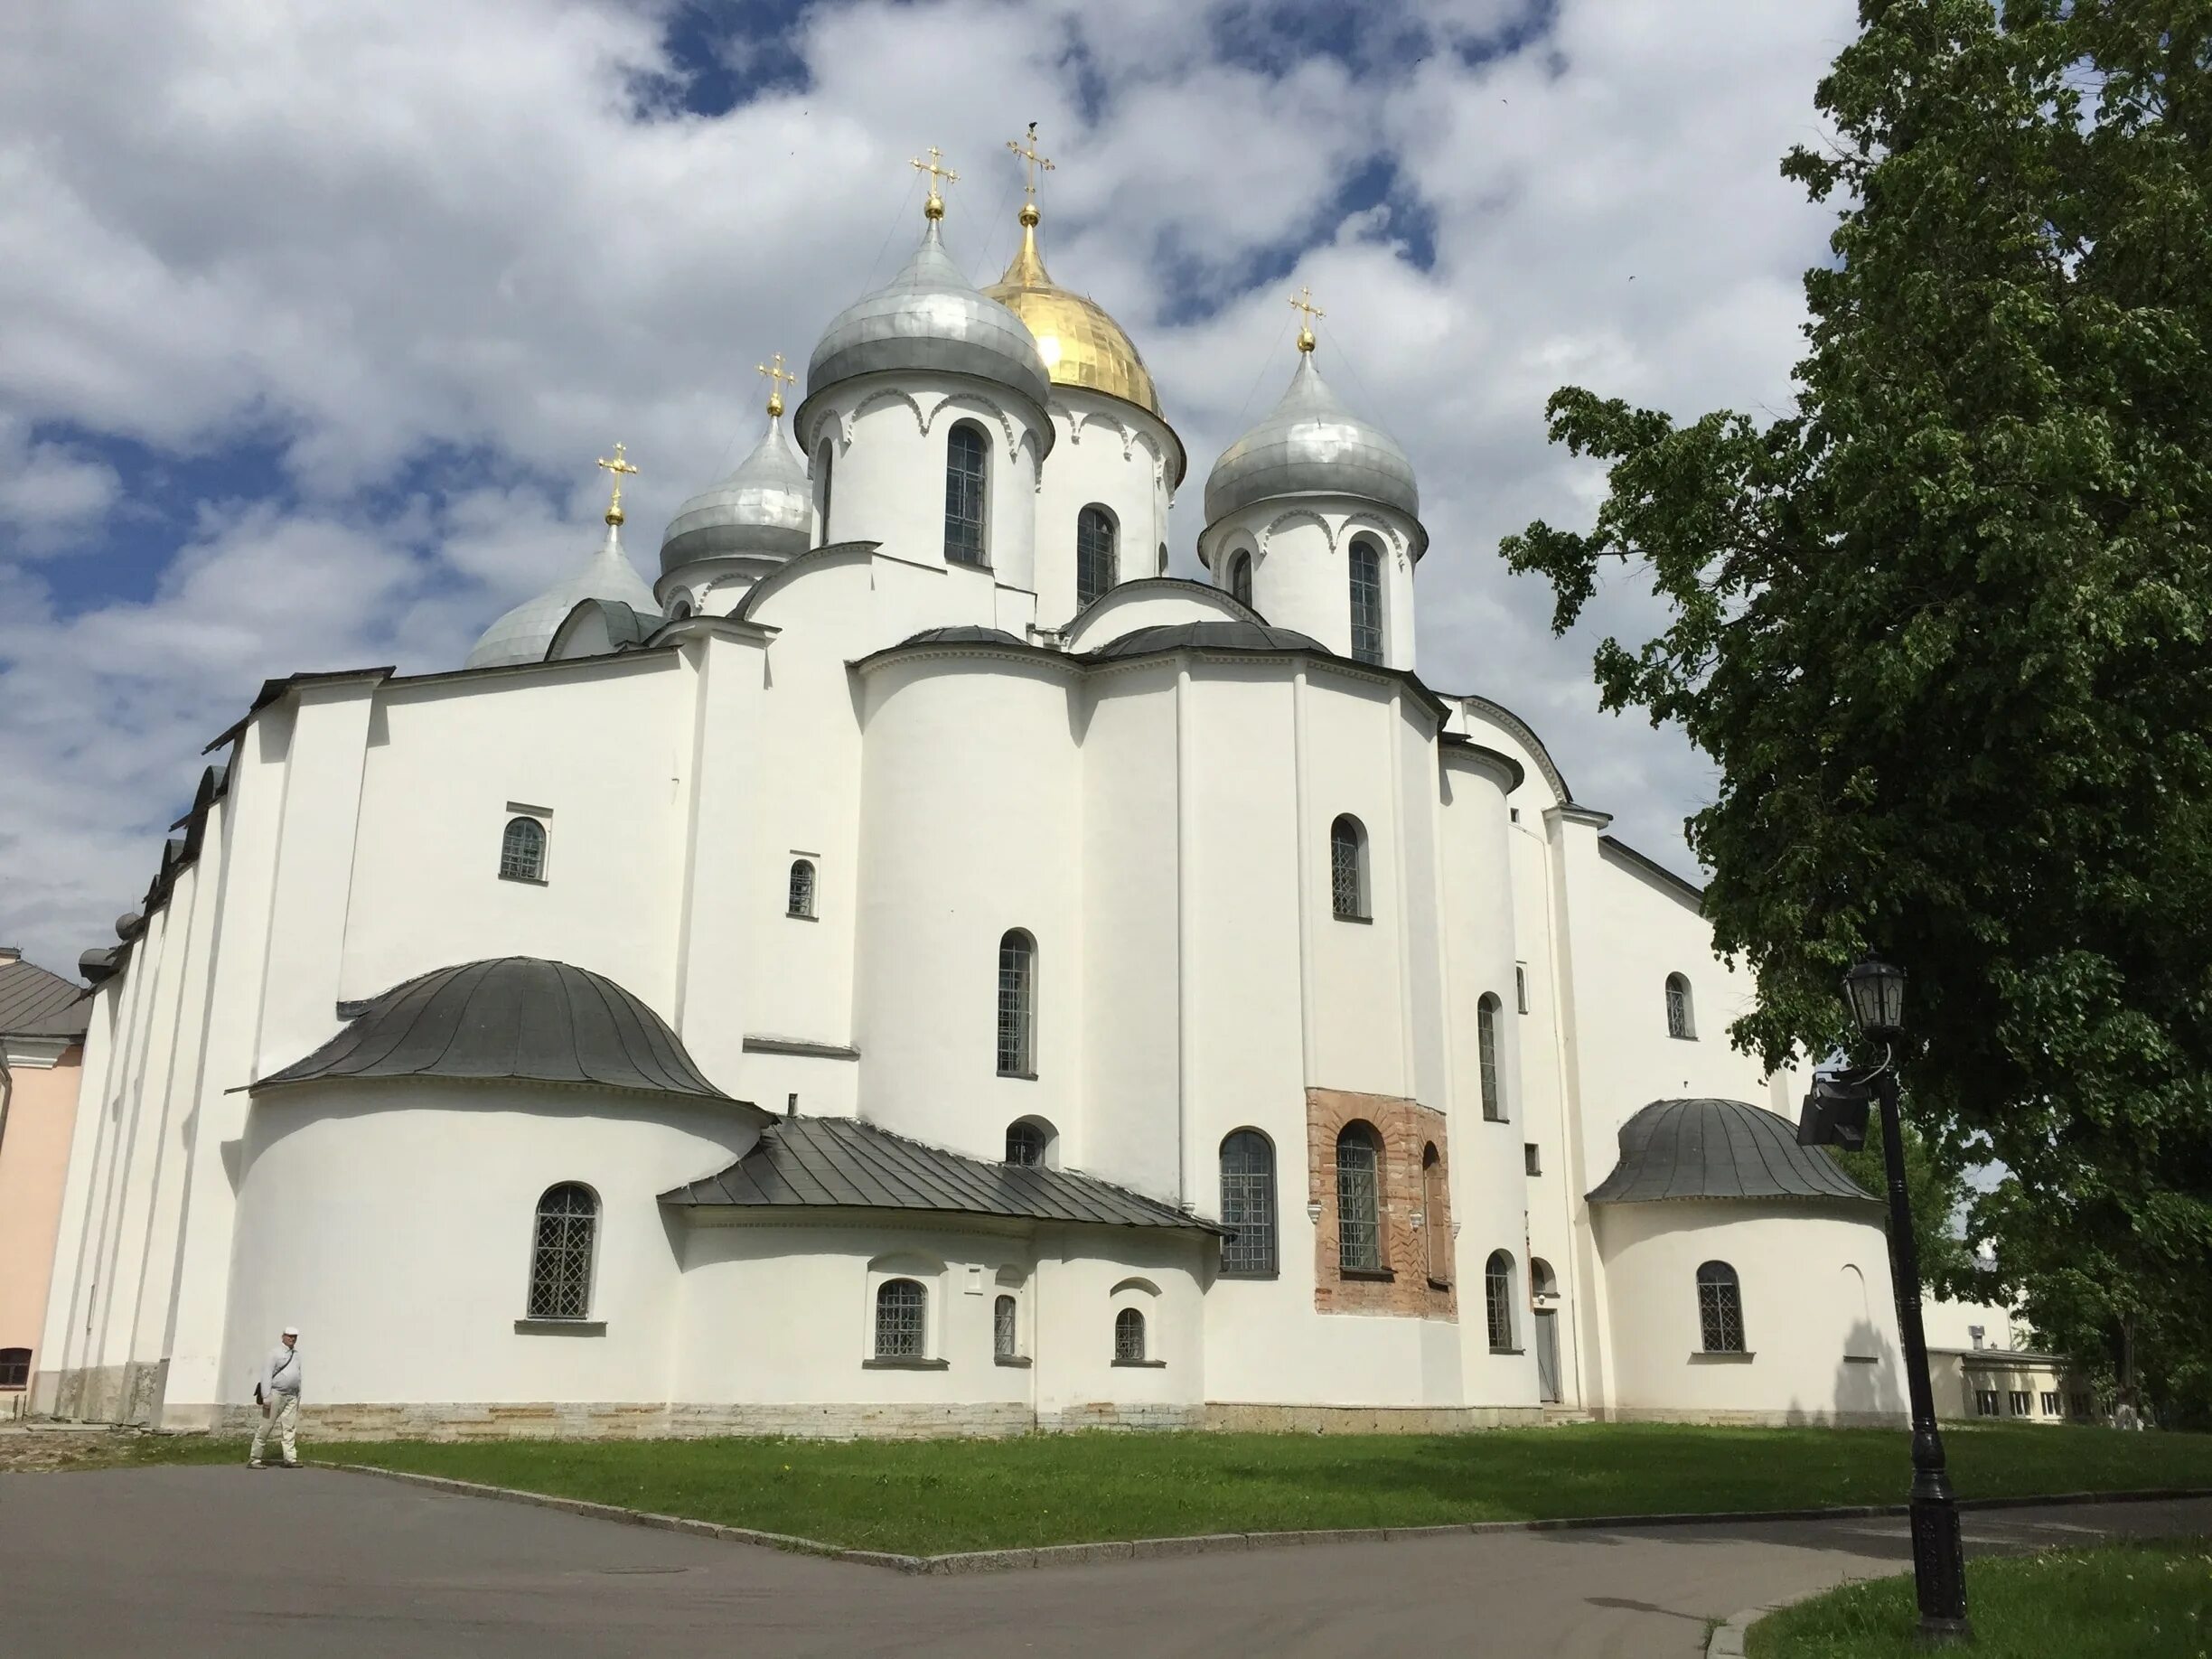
(1297, 515)
(1388, 533)
(883, 395)
(974, 403)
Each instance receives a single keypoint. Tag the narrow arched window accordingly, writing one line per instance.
(1128, 1338)
(1239, 578)
(1436, 1216)
(14, 1369)
(902, 1321)
(1498, 1300)
(967, 493)
(1096, 557)
(1681, 1016)
(1247, 1205)
(1348, 868)
(523, 850)
(801, 888)
(1486, 1048)
(1025, 1144)
(1005, 1334)
(1359, 1199)
(562, 1252)
(1162, 569)
(825, 464)
(1367, 578)
(1017, 1005)
(1543, 1283)
(679, 611)
(1719, 1309)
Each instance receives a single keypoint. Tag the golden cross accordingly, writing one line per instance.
(618, 466)
(1032, 162)
(777, 378)
(1303, 302)
(934, 207)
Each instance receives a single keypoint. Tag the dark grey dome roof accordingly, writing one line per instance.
(962, 633)
(516, 1018)
(1311, 445)
(1208, 636)
(766, 506)
(1718, 1149)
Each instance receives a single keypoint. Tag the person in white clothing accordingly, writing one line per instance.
(278, 1391)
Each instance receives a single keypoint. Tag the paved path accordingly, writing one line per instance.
(189, 1562)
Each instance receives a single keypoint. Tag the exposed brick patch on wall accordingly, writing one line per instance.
(1408, 1129)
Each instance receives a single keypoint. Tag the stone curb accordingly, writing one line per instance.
(1210, 1543)
(1727, 1641)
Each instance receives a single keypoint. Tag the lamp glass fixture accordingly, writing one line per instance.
(1876, 991)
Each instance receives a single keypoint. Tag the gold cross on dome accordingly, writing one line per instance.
(619, 467)
(934, 207)
(1303, 302)
(778, 378)
(1032, 162)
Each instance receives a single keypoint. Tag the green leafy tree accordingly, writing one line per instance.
(1937, 1196)
(1946, 626)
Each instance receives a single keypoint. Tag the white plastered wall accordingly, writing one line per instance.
(1112, 455)
(1300, 551)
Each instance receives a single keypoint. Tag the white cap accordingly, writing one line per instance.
(291, 1330)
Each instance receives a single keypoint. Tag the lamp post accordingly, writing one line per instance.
(1875, 992)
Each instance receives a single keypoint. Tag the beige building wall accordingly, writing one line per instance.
(40, 1087)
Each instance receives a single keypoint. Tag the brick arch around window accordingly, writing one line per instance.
(1406, 1130)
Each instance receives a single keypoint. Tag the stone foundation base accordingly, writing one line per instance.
(1751, 1420)
(614, 1420)
(1368, 1420)
(128, 1394)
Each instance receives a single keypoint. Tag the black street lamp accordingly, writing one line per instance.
(1876, 991)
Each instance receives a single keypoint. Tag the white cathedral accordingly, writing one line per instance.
(917, 967)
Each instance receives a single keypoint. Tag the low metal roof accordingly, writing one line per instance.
(1705, 1148)
(36, 1003)
(842, 1163)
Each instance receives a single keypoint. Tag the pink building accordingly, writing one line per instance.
(42, 1019)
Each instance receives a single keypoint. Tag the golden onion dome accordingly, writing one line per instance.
(1081, 344)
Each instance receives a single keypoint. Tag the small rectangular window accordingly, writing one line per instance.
(1531, 1157)
(1004, 1338)
(15, 1368)
(2019, 1402)
(2050, 1402)
(1521, 985)
(1985, 1402)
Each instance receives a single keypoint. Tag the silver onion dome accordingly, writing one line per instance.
(929, 318)
(523, 633)
(1311, 445)
(766, 507)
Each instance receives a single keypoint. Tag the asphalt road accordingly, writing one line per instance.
(188, 1561)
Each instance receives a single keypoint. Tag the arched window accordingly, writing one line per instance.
(1017, 1005)
(1498, 1300)
(1128, 1338)
(562, 1252)
(1247, 1205)
(1367, 600)
(1239, 578)
(1681, 1017)
(967, 493)
(1436, 1216)
(1348, 868)
(801, 888)
(523, 850)
(1006, 1339)
(679, 611)
(1162, 570)
(1026, 1142)
(1719, 1309)
(901, 1320)
(14, 1369)
(1487, 1047)
(825, 462)
(1359, 1199)
(1543, 1283)
(1097, 561)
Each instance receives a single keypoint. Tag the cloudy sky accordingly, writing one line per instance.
(314, 318)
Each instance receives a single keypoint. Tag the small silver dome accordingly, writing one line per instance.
(929, 317)
(1311, 445)
(766, 507)
(523, 633)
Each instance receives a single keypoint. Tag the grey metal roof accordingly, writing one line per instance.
(1718, 1149)
(36, 1003)
(1310, 444)
(841, 1163)
(962, 633)
(766, 507)
(929, 317)
(512, 1019)
(1207, 636)
(523, 633)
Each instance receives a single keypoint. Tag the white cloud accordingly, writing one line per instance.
(448, 258)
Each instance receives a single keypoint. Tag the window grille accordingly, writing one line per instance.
(1003, 1344)
(802, 888)
(1348, 868)
(1680, 1023)
(15, 1368)
(2050, 1403)
(1719, 1309)
(1239, 578)
(523, 850)
(1094, 554)
(824, 467)
(1436, 1215)
(1498, 1300)
(967, 479)
(1017, 1005)
(1366, 602)
(2018, 1400)
(1487, 1047)
(900, 1307)
(1025, 1146)
(1359, 1193)
(1985, 1402)
(1248, 1204)
(561, 1253)
(1128, 1335)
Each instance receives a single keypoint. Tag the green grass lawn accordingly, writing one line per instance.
(929, 1497)
(2142, 1600)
